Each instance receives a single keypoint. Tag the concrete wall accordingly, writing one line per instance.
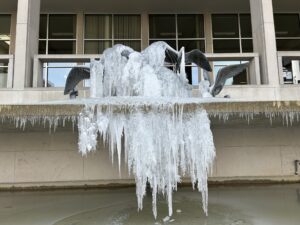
(256, 152)
(37, 158)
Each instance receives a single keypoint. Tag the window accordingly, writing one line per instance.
(180, 30)
(57, 34)
(287, 28)
(240, 79)
(3, 75)
(232, 33)
(290, 71)
(104, 31)
(4, 34)
(55, 74)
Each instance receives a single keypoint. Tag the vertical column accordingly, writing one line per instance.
(13, 33)
(80, 38)
(264, 40)
(145, 30)
(26, 46)
(80, 33)
(208, 33)
(209, 47)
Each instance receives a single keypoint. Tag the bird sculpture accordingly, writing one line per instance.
(173, 57)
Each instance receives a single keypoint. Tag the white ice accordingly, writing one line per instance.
(161, 143)
(142, 74)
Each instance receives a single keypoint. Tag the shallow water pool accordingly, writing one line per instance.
(239, 205)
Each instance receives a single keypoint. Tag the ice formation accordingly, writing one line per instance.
(162, 142)
(160, 146)
(141, 74)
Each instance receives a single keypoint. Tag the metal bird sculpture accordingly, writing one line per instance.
(195, 56)
(172, 56)
(224, 74)
(76, 75)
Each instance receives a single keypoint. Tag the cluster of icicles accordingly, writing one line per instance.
(160, 146)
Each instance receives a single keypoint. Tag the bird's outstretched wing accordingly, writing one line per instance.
(198, 57)
(76, 75)
(172, 56)
(195, 56)
(226, 73)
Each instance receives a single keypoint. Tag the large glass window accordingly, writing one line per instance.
(4, 34)
(104, 31)
(55, 74)
(232, 33)
(291, 71)
(57, 34)
(3, 75)
(180, 30)
(240, 79)
(287, 27)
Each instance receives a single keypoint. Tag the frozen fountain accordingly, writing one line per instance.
(138, 105)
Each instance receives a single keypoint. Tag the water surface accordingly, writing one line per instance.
(255, 205)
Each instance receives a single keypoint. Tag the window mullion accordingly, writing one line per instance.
(47, 34)
(240, 33)
(176, 31)
(112, 29)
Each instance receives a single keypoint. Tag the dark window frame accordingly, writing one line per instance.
(9, 34)
(286, 38)
(112, 38)
(239, 37)
(177, 39)
(47, 39)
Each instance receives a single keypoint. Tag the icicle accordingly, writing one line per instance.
(158, 145)
(96, 90)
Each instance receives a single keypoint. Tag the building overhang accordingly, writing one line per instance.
(154, 6)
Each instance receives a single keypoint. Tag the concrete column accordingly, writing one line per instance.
(208, 33)
(209, 46)
(80, 33)
(264, 40)
(26, 46)
(13, 33)
(80, 39)
(145, 30)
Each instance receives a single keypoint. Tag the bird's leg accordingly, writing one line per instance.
(73, 94)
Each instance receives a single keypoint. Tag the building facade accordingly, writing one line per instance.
(41, 40)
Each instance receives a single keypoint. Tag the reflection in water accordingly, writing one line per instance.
(257, 205)
(191, 212)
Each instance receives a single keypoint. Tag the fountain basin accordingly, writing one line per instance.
(214, 107)
(185, 131)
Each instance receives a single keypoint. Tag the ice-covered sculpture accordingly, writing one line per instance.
(151, 64)
(137, 108)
